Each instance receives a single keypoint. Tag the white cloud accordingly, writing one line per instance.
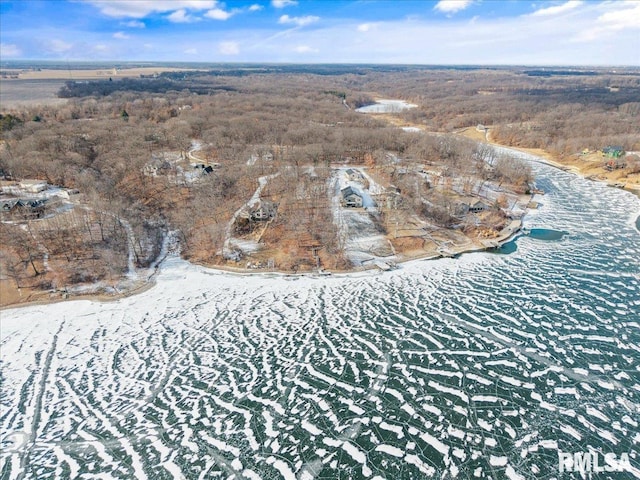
(255, 7)
(557, 9)
(229, 48)
(452, 6)
(143, 8)
(181, 16)
(612, 22)
(365, 27)
(283, 3)
(121, 36)
(191, 51)
(299, 21)
(306, 49)
(503, 39)
(134, 24)
(9, 50)
(218, 14)
(58, 46)
(619, 19)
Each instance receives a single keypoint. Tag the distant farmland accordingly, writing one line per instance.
(14, 93)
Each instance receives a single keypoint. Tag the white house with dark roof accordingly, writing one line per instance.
(350, 198)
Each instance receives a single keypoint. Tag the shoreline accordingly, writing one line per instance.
(506, 234)
(551, 160)
(474, 246)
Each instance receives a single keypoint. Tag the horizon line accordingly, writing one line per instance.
(231, 63)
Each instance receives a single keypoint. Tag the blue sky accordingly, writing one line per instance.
(493, 32)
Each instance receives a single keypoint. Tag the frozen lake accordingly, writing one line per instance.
(483, 366)
(386, 106)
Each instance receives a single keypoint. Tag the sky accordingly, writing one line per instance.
(449, 32)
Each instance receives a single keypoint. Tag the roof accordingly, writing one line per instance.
(472, 200)
(349, 191)
(266, 205)
(9, 204)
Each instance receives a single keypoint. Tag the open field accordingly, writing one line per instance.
(17, 93)
(33, 87)
(84, 74)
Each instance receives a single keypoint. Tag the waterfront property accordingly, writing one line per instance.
(615, 163)
(351, 198)
(262, 211)
(612, 151)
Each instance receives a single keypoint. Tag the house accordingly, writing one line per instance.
(351, 198)
(615, 164)
(354, 175)
(35, 208)
(263, 211)
(613, 151)
(26, 209)
(478, 206)
(471, 205)
(10, 206)
(157, 166)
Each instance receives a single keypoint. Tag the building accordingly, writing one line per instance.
(478, 206)
(615, 164)
(23, 209)
(612, 151)
(157, 166)
(354, 175)
(263, 211)
(471, 205)
(351, 198)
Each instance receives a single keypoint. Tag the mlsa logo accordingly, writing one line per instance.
(593, 462)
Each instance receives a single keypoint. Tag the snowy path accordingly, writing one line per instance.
(226, 248)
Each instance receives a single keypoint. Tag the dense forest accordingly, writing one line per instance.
(290, 125)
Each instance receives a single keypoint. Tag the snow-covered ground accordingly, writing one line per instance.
(386, 106)
(362, 239)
